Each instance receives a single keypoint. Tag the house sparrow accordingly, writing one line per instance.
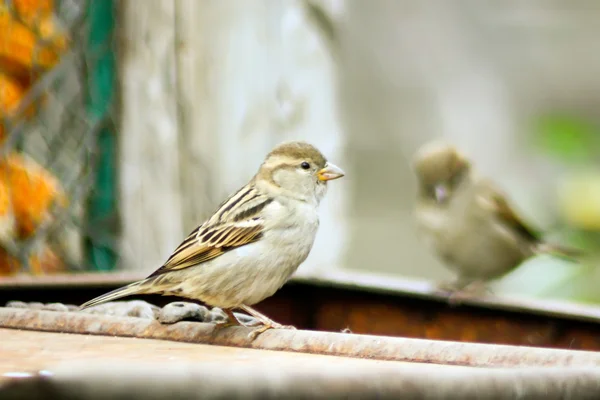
(468, 221)
(254, 241)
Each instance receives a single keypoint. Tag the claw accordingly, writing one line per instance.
(252, 335)
(267, 323)
(230, 321)
(225, 324)
(468, 291)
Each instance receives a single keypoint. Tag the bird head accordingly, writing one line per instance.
(440, 168)
(299, 170)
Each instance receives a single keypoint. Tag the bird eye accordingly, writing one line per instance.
(305, 165)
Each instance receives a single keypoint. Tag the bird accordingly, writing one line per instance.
(254, 241)
(468, 221)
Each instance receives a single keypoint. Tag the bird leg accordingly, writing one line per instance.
(467, 291)
(267, 323)
(231, 320)
(452, 290)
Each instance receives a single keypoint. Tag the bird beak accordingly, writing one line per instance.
(330, 172)
(441, 193)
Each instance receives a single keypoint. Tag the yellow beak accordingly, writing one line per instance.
(330, 172)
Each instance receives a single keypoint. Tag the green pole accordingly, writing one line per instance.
(101, 206)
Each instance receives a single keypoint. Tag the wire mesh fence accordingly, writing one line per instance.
(56, 170)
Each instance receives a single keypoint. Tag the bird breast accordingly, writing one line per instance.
(293, 229)
(250, 273)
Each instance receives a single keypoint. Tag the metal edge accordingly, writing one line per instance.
(69, 280)
(337, 278)
(325, 343)
(386, 284)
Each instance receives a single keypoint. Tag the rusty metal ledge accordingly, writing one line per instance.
(423, 289)
(96, 279)
(335, 278)
(326, 343)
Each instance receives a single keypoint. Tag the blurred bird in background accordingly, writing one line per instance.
(253, 242)
(469, 223)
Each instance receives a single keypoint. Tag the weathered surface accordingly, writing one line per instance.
(155, 369)
(41, 306)
(371, 304)
(30, 351)
(169, 314)
(349, 345)
(180, 310)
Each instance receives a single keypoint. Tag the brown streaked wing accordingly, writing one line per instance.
(506, 214)
(207, 242)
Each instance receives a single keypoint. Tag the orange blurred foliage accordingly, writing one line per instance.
(30, 10)
(7, 217)
(24, 49)
(40, 262)
(33, 190)
(11, 93)
(31, 42)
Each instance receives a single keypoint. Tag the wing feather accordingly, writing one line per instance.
(505, 213)
(238, 221)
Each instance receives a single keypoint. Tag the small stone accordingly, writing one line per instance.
(55, 307)
(180, 310)
(134, 308)
(16, 304)
(142, 309)
(36, 305)
(246, 319)
(217, 315)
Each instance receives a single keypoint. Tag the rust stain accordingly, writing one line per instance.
(327, 343)
(407, 312)
(439, 322)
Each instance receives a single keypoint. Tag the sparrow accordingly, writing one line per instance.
(252, 244)
(468, 221)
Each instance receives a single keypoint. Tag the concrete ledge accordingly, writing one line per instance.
(127, 380)
(326, 343)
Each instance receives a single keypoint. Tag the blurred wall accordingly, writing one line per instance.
(476, 72)
(209, 88)
(366, 81)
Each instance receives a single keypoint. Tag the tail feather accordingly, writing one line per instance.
(131, 289)
(568, 253)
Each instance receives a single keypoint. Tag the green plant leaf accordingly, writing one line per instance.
(566, 138)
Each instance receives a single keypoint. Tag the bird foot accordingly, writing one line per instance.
(472, 290)
(446, 288)
(267, 323)
(230, 321)
(458, 296)
(225, 324)
(266, 327)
